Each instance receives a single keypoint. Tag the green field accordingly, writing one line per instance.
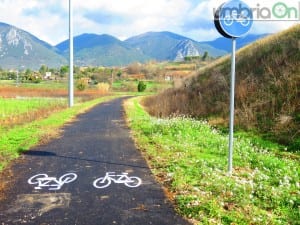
(19, 138)
(50, 84)
(190, 158)
(15, 107)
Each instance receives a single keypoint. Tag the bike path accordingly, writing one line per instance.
(98, 142)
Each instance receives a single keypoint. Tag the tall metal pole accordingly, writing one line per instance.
(71, 58)
(231, 120)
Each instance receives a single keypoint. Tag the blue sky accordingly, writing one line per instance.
(48, 19)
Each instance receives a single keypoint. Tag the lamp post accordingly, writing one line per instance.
(71, 57)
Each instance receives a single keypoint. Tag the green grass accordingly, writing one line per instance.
(14, 107)
(22, 138)
(190, 158)
(47, 84)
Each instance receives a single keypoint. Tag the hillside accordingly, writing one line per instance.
(267, 90)
(167, 45)
(19, 49)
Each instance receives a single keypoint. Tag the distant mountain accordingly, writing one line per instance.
(225, 43)
(88, 41)
(168, 46)
(19, 50)
(105, 50)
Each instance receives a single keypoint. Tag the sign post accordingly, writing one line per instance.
(233, 19)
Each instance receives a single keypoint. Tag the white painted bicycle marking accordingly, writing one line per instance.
(105, 181)
(44, 181)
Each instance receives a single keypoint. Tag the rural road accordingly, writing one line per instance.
(58, 183)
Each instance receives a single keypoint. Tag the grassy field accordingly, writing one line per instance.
(19, 138)
(189, 157)
(48, 89)
(22, 110)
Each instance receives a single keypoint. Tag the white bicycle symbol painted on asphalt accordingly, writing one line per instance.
(104, 182)
(44, 181)
(240, 18)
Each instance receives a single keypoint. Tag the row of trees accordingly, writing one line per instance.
(95, 74)
(28, 74)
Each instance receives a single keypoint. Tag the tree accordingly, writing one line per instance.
(43, 69)
(205, 56)
(27, 74)
(134, 68)
(119, 74)
(64, 70)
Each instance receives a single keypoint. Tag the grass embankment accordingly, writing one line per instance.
(19, 138)
(190, 158)
(267, 90)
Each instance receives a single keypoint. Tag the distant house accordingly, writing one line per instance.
(168, 78)
(48, 76)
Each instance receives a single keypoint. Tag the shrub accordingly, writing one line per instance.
(103, 87)
(81, 85)
(142, 86)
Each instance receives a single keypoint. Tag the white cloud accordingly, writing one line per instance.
(48, 19)
(200, 21)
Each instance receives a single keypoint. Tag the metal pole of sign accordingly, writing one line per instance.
(71, 75)
(232, 93)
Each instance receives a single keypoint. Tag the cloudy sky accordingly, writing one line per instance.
(48, 19)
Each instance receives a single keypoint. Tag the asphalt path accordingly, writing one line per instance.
(76, 178)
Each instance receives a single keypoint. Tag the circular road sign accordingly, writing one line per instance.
(233, 19)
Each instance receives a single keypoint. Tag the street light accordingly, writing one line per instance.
(71, 57)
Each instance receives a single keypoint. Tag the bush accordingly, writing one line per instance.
(103, 87)
(294, 146)
(81, 85)
(141, 86)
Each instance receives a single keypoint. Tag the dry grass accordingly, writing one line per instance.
(31, 115)
(43, 111)
(267, 88)
(14, 92)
